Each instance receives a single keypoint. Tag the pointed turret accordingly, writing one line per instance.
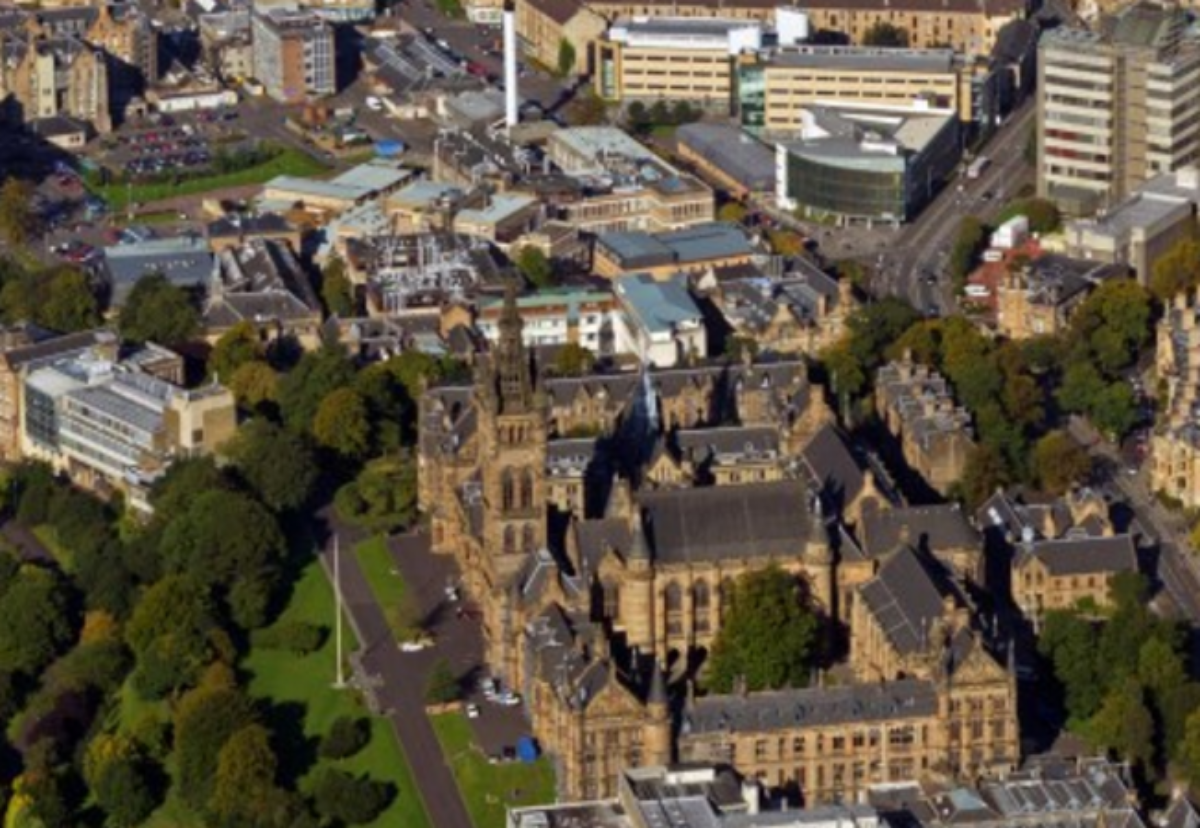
(657, 695)
(658, 729)
(639, 547)
(514, 385)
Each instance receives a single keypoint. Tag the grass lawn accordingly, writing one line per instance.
(488, 789)
(386, 584)
(288, 162)
(288, 681)
(49, 538)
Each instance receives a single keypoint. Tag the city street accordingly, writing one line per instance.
(923, 246)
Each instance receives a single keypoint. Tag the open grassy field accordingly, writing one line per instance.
(389, 588)
(306, 704)
(488, 789)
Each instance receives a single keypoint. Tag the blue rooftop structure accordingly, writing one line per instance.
(703, 242)
(660, 306)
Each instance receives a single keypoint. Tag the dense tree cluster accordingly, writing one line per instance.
(1124, 682)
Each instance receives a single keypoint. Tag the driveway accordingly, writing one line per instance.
(400, 691)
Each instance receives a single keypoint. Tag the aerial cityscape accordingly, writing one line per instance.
(599, 413)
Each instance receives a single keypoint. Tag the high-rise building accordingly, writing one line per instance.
(1116, 106)
(294, 56)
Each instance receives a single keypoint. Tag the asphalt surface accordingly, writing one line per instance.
(400, 691)
(1176, 569)
(922, 247)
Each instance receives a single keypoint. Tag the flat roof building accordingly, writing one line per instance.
(729, 157)
(664, 254)
(662, 323)
(866, 165)
(294, 55)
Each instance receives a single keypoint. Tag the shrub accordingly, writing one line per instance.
(349, 799)
(346, 737)
(297, 637)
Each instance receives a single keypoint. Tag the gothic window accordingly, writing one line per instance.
(529, 544)
(725, 593)
(702, 602)
(507, 491)
(612, 601)
(673, 596)
(510, 540)
(527, 490)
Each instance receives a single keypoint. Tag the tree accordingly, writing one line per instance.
(1042, 214)
(169, 634)
(69, 303)
(733, 212)
(768, 637)
(158, 311)
(1190, 748)
(573, 360)
(1124, 725)
(441, 687)
(244, 791)
(383, 498)
(205, 720)
(1115, 412)
(183, 482)
(255, 385)
(337, 290)
(1070, 643)
(970, 238)
(349, 799)
(277, 463)
(1059, 462)
(1177, 270)
(886, 35)
(586, 108)
(125, 791)
(785, 242)
(1114, 324)
(237, 346)
(18, 219)
(534, 266)
(566, 58)
(985, 472)
(342, 425)
(316, 375)
(39, 621)
(346, 737)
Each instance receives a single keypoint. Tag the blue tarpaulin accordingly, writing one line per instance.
(389, 149)
(527, 749)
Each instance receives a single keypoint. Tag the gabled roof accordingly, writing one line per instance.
(727, 522)
(1083, 555)
(938, 528)
(833, 466)
(906, 598)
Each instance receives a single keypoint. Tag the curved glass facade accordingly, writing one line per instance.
(861, 193)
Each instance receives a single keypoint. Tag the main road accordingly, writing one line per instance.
(920, 253)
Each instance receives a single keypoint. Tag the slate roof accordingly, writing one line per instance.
(728, 522)
(906, 598)
(832, 465)
(596, 537)
(938, 528)
(1083, 555)
(815, 706)
(53, 347)
(701, 444)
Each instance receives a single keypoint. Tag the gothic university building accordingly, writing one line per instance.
(600, 523)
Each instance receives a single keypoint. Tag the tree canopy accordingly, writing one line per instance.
(237, 346)
(158, 311)
(882, 33)
(18, 218)
(534, 266)
(768, 636)
(337, 291)
(277, 463)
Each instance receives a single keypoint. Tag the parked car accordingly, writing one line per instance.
(472, 711)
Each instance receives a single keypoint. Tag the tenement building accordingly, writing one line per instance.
(601, 523)
(917, 406)
(1175, 444)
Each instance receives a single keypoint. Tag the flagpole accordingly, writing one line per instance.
(340, 680)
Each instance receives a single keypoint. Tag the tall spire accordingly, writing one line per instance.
(513, 383)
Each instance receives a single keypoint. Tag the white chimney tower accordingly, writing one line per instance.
(512, 115)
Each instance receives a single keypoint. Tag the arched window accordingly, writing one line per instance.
(510, 540)
(527, 490)
(725, 594)
(612, 601)
(529, 543)
(673, 601)
(507, 491)
(701, 602)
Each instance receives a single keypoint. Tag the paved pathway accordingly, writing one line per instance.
(401, 691)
